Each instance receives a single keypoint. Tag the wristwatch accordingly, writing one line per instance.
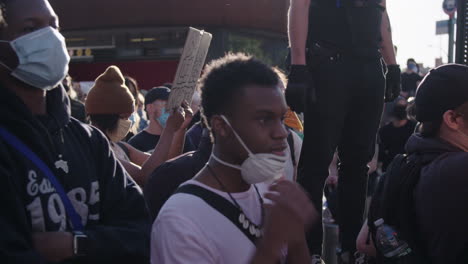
(80, 243)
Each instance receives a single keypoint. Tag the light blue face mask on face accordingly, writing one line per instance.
(413, 68)
(43, 58)
(163, 118)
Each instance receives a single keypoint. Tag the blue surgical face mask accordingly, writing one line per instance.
(133, 118)
(43, 58)
(413, 68)
(163, 118)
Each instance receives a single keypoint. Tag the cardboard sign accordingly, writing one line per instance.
(190, 66)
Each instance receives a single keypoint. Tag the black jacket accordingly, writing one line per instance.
(441, 201)
(109, 202)
(167, 177)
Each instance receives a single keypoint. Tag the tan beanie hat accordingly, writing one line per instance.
(109, 95)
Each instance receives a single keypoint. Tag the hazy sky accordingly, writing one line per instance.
(413, 24)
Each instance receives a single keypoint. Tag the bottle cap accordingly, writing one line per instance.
(379, 222)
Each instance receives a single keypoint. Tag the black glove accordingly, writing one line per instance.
(300, 87)
(393, 84)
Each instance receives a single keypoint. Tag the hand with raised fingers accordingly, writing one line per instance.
(289, 212)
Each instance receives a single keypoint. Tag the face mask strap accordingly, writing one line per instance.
(225, 163)
(237, 136)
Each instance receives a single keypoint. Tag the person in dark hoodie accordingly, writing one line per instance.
(166, 178)
(394, 135)
(65, 197)
(440, 198)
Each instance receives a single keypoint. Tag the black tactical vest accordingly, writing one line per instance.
(349, 26)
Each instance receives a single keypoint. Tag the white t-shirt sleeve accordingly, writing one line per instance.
(177, 240)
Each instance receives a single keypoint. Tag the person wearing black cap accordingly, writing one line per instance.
(410, 78)
(146, 140)
(439, 197)
(394, 135)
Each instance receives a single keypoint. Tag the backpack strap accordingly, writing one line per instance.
(17, 144)
(394, 202)
(225, 208)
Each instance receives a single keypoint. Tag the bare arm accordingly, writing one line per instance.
(136, 156)
(178, 141)
(142, 164)
(298, 26)
(177, 145)
(364, 245)
(289, 213)
(333, 168)
(387, 49)
(53, 246)
(134, 171)
(160, 153)
(178, 121)
(266, 253)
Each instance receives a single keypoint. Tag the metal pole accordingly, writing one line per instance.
(462, 37)
(451, 38)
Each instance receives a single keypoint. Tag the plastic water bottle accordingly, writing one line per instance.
(388, 242)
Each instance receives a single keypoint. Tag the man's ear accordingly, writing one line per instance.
(149, 108)
(452, 119)
(219, 126)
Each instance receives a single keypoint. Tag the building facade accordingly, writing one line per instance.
(145, 38)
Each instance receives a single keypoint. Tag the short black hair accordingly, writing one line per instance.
(168, 85)
(410, 60)
(225, 77)
(105, 122)
(430, 129)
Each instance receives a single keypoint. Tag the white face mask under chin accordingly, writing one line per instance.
(43, 58)
(260, 167)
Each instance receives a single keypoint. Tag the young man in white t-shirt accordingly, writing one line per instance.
(244, 108)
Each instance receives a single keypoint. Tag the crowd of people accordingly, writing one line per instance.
(237, 175)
